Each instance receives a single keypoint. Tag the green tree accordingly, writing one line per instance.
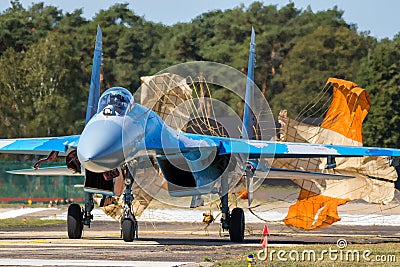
(46, 60)
(326, 52)
(15, 102)
(380, 75)
(19, 27)
(14, 32)
(52, 78)
(41, 90)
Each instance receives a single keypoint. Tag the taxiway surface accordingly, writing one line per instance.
(161, 243)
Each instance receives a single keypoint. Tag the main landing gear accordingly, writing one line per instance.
(76, 218)
(234, 222)
(236, 228)
(75, 221)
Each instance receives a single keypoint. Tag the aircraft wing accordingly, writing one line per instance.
(39, 146)
(269, 149)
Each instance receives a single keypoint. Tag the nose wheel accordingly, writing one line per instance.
(128, 229)
(129, 223)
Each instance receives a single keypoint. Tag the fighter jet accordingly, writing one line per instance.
(118, 132)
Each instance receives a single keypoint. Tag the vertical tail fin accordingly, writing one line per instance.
(94, 91)
(249, 120)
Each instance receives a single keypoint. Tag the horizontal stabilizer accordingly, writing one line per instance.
(297, 174)
(49, 171)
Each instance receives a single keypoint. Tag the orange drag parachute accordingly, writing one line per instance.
(317, 203)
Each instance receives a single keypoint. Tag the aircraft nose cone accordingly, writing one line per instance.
(100, 145)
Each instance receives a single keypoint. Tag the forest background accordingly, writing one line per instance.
(46, 57)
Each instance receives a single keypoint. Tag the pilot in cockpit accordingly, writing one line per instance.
(118, 102)
(115, 101)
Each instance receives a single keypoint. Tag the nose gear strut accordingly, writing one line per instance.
(129, 226)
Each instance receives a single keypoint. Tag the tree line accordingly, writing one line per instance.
(46, 57)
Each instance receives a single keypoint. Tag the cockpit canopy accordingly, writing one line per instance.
(115, 101)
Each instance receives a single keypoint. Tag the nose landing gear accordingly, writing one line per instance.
(129, 224)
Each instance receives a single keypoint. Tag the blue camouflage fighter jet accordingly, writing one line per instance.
(118, 131)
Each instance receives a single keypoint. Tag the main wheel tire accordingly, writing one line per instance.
(236, 228)
(75, 221)
(128, 230)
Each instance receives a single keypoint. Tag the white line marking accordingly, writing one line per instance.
(21, 212)
(187, 215)
(39, 262)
